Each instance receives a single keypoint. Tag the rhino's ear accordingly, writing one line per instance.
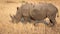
(17, 8)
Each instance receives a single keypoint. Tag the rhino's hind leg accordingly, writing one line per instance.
(52, 20)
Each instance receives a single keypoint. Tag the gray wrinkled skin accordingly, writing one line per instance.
(35, 12)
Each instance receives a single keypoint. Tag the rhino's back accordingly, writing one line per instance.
(39, 11)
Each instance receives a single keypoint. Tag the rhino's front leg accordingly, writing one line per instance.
(25, 19)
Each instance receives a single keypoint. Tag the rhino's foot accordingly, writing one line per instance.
(50, 24)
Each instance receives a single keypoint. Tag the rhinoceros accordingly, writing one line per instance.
(35, 12)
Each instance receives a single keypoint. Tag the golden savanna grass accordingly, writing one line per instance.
(8, 7)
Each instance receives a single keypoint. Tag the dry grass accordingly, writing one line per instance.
(7, 27)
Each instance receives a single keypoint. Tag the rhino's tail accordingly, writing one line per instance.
(58, 14)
